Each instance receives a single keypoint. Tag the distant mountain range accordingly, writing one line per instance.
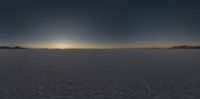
(186, 47)
(9, 47)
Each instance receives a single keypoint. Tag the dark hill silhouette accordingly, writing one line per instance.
(9, 47)
(186, 47)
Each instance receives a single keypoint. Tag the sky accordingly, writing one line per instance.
(99, 23)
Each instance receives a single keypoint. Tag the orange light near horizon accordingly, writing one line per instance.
(60, 46)
(88, 46)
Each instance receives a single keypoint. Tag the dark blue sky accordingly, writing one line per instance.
(84, 23)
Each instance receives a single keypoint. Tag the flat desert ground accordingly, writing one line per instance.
(100, 74)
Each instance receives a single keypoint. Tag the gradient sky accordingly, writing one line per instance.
(102, 23)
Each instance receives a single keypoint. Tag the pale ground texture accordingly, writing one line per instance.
(100, 74)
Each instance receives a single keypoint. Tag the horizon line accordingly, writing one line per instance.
(147, 47)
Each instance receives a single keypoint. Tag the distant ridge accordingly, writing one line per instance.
(9, 47)
(186, 47)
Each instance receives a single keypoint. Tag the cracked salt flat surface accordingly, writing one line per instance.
(100, 74)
